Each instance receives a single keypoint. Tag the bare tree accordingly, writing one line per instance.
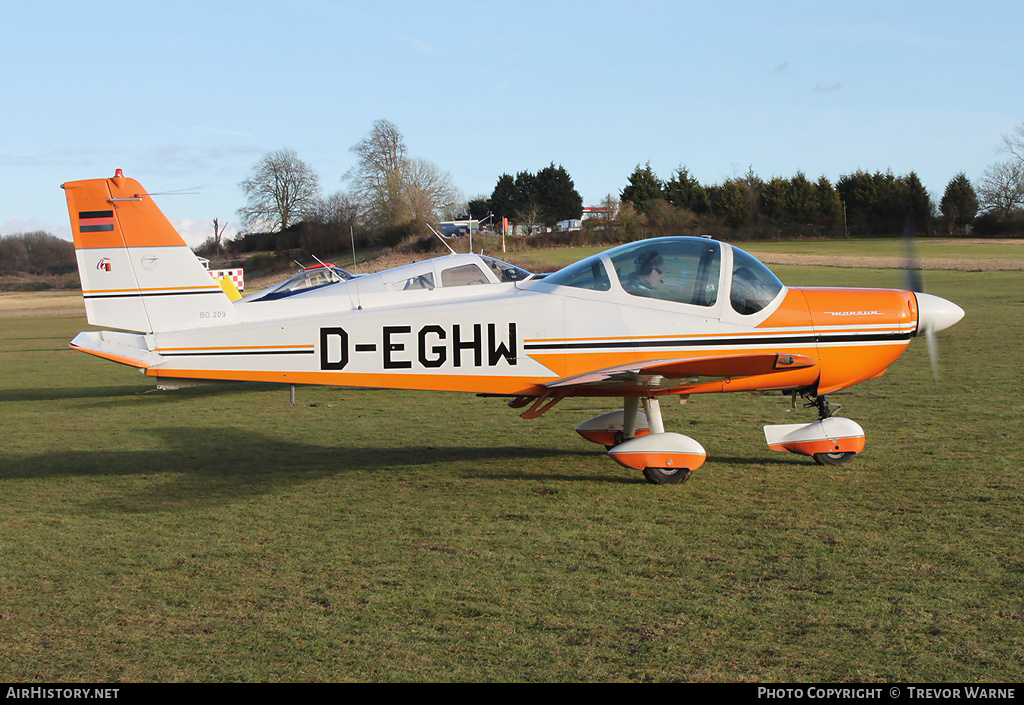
(1001, 190)
(338, 209)
(394, 188)
(280, 188)
(1013, 144)
(428, 193)
(378, 176)
(329, 225)
(218, 234)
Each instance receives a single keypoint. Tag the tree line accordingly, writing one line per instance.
(394, 197)
(36, 253)
(862, 203)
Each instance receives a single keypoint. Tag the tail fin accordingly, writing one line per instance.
(137, 273)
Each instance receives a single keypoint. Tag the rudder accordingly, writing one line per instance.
(137, 273)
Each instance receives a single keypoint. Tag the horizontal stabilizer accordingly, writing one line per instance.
(126, 348)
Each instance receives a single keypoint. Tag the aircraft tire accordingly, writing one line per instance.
(618, 439)
(667, 476)
(833, 458)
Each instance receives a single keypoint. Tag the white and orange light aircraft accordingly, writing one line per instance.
(645, 320)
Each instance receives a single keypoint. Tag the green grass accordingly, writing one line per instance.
(220, 534)
(853, 247)
(944, 248)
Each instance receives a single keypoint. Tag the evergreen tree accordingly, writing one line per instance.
(774, 199)
(557, 195)
(526, 201)
(684, 191)
(959, 204)
(479, 208)
(830, 207)
(643, 188)
(879, 204)
(918, 203)
(801, 200)
(503, 198)
(729, 202)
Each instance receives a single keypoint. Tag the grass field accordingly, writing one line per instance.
(939, 253)
(221, 534)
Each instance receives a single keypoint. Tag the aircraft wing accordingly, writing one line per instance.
(650, 373)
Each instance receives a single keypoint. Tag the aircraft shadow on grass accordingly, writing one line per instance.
(219, 466)
(122, 392)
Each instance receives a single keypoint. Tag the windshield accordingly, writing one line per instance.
(504, 271)
(753, 285)
(308, 279)
(585, 274)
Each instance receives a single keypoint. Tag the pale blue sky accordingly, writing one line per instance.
(191, 94)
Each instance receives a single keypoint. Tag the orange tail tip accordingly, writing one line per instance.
(137, 272)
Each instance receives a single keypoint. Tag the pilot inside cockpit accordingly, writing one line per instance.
(647, 276)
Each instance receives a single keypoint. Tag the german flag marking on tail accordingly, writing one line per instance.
(95, 221)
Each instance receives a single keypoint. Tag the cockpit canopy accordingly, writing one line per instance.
(440, 272)
(680, 269)
(309, 278)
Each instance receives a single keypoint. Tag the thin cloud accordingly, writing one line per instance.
(221, 131)
(827, 89)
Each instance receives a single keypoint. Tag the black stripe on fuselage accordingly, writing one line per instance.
(888, 336)
(238, 352)
(133, 294)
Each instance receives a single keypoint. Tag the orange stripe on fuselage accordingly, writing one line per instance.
(477, 384)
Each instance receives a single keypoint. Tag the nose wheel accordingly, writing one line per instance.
(833, 458)
(667, 476)
(831, 440)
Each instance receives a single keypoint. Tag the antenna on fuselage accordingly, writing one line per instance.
(328, 268)
(441, 238)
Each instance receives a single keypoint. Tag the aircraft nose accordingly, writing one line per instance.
(935, 313)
